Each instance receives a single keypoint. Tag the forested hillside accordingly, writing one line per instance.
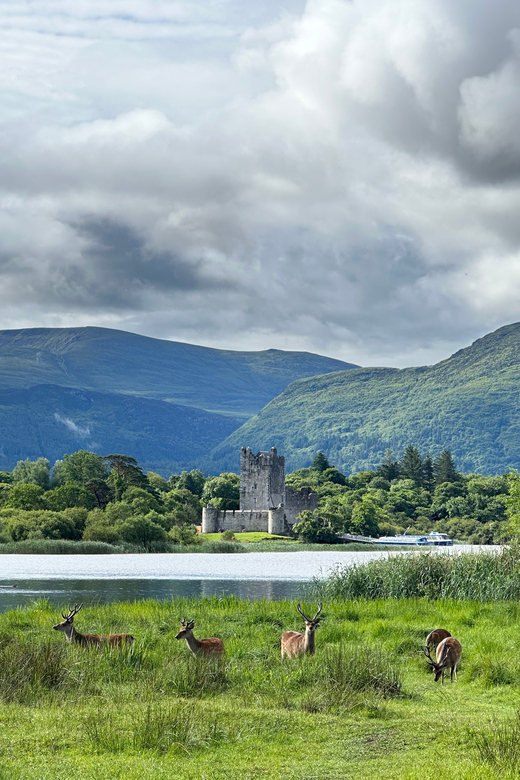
(468, 403)
(49, 421)
(168, 404)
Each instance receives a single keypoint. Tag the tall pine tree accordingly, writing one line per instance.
(389, 468)
(428, 476)
(412, 465)
(320, 463)
(444, 468)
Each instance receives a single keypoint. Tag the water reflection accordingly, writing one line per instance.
(64, 592)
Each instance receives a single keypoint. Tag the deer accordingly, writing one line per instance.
(436, 636)
(200, 647)
(294, 643)
(448, 654)
(88, 640)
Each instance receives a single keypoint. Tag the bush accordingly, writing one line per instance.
(139, 530)
(101, 533)
(228, 536)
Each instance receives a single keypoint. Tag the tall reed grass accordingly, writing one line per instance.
(485, 576)
(155, 727)
(499, 745)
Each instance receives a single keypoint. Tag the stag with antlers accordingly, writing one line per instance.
(88, 640)
(212, 646)
(448, 654)
(294, 643)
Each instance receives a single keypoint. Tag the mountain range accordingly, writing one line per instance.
(469, 404)
(173, 405)
(166, 403)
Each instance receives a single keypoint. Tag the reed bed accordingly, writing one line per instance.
(484, 576)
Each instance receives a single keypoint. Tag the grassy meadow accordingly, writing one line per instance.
(365, 706)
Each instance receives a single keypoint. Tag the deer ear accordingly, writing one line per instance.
(191, 624)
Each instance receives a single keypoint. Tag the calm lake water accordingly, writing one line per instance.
(65, 579)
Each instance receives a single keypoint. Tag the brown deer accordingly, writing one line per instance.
(436, 636)
(88, 640)
(212, 646)
(294, 643)
(448, 654)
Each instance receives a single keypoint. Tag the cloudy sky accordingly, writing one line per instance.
(340, 177)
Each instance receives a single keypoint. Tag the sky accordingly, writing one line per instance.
(335, 176)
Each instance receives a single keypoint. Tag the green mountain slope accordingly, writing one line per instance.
(234, 383)
(469, 404)
(48, 421)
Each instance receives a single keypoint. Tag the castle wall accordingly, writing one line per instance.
(297, 501)
(270, 522)
(262, 479)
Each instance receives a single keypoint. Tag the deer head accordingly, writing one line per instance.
(186, 628)
(311, 623)
(68, 619)
(437, 666)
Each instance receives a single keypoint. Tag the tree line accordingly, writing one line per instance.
(414, 492)
(110, 499)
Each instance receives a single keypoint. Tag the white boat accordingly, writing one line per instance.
(439, 540)
(433, 539)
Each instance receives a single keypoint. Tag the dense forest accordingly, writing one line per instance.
(110, 499)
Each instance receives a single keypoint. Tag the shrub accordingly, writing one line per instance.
(140, 530)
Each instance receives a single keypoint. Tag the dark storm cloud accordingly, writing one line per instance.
(326, 175)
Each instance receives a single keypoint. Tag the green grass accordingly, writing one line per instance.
(247, 537)
(209, 543)
(492, 576)
(365, 706)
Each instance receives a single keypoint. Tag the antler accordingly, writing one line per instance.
(309, 620)
(72, 612)
(426, 651)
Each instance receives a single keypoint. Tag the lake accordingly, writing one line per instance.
(68, 579)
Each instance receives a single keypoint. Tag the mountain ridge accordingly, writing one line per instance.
(467, 403)
(197, 395)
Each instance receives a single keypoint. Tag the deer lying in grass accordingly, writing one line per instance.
(212, 646)
(436, 636)
(448, 654)
(294, 643)
(88, 640)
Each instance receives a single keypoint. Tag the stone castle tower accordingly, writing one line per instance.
(262, 479)
(266, 504)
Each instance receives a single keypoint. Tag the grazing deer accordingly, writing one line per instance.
(448, 654)
(436, 636)
(211, 646)
(294, 643)
(88, 640)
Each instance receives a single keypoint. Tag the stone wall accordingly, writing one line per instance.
(297, 501)
(265, 521)
(262, 479)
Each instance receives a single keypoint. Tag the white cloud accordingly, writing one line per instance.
(331, 174)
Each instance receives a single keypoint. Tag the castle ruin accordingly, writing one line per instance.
(266, 503)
